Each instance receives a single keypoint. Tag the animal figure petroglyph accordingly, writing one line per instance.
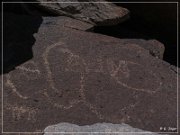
(116, 69)
(74, 60)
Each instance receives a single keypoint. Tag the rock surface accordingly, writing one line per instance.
(19, 39)
(84, 78)
(101, 128)
(154, 47)
(17, 48)
(92, 11)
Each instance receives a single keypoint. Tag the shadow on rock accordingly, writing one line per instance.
(18, 39)
(145, 23)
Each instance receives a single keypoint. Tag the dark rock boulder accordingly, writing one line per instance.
(156, 20)
(84, 78)
(18, 38)
(18, 35)
(90, 11)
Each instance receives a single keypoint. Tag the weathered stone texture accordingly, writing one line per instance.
(92, 11)
(84, 78)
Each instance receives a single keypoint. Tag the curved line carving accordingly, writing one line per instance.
(50, 79)
(13, 87)
(113, 70)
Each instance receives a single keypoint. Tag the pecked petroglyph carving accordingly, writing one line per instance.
(121, 71)
(121, 67)
(84, 100)
(10, 84)
(29, 70)
(47, 66)
(19, 112)
(100, 67)
(95, 65)
(71, 58)
(57, 105)
(80, 64)
(74, 63)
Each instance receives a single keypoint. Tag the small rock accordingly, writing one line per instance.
(98, 128)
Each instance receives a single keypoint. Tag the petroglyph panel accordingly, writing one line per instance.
(63, 73)
(29, 70)
(21, 112)
(85, 78)
(74, 79)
